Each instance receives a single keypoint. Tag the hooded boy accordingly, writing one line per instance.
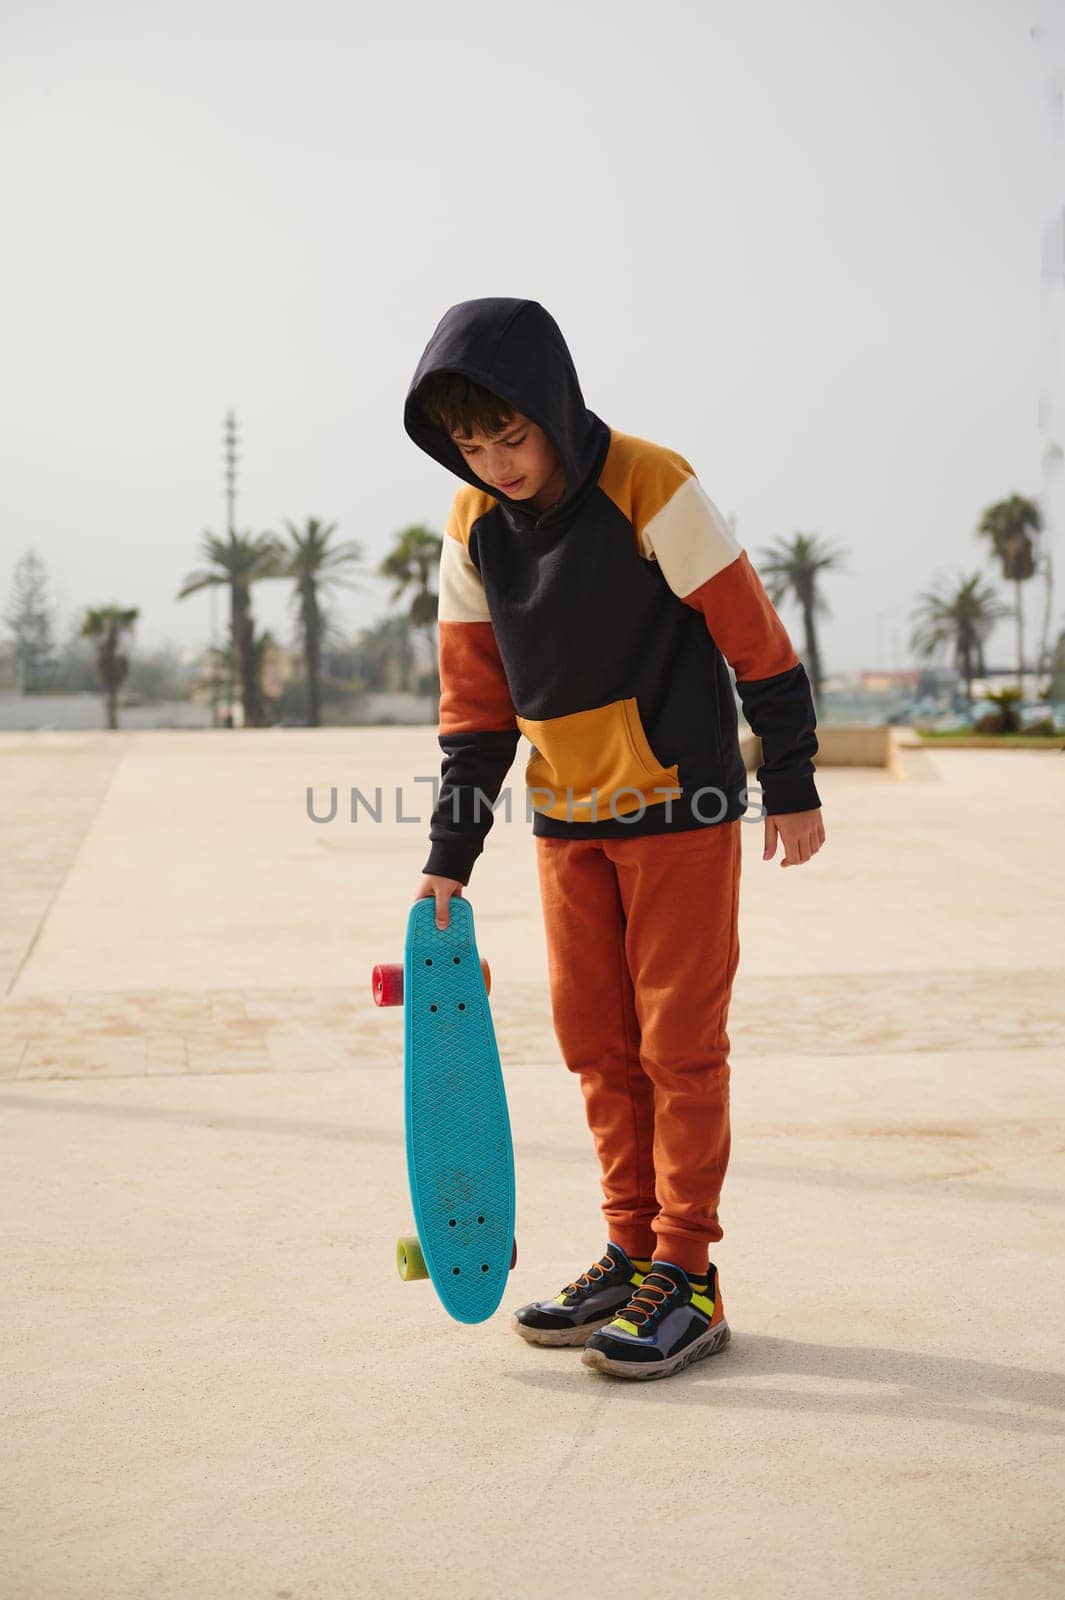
(593, 598)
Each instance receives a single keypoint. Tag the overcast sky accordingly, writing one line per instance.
(797, 243)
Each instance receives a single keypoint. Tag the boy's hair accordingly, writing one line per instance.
(458, 405)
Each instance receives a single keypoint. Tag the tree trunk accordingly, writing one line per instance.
(235, 611)
(967, 666)
(312, 651)
(1020, 637)
(249, 677)
(237, 650)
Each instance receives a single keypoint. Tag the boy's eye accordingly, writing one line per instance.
(511, 444)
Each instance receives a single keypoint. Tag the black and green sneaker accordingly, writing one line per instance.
(674, 1318)
(584, 1305)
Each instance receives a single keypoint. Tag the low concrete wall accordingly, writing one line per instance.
(992, 741)
(78, 713)
(842, 745)
(380, 707)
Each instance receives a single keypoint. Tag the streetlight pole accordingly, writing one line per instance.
(1050, 41)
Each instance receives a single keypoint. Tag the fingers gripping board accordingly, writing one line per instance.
(460, 1158)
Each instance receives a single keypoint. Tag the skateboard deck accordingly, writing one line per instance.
(460, 1158)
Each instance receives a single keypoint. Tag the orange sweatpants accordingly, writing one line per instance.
(643, 946)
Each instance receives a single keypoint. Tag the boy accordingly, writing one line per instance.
(590, 597)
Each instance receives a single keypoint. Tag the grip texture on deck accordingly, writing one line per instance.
(460, 1159)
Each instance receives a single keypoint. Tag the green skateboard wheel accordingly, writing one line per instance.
(409, 1259)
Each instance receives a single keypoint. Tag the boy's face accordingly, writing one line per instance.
(520, 462)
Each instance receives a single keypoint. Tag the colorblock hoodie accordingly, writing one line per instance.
(602, 629)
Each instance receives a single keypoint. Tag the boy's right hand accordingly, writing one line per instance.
(442, 890)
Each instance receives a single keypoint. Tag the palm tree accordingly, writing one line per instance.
(315, 565)
(790, 567)
(105, 625)
(1007, 524)
(957, 619)
(239, 561)
(1006, 718)
(414, 555)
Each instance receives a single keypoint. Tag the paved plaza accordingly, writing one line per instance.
(216, 1386)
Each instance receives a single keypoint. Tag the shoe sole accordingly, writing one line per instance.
(713, 1340)
(560, 1336)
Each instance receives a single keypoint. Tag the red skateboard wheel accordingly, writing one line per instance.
(387, 984)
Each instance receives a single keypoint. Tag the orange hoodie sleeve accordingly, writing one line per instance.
(679, 527)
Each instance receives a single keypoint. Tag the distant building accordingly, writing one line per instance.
(889, 682)
(942, 681)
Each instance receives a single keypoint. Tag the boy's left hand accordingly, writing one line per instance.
(802, 834)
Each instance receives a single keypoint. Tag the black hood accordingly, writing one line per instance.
(514, 348)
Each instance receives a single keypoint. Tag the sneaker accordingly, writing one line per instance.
(586, 1304)
(672, 1319)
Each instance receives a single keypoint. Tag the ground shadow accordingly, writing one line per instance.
(910, 1385)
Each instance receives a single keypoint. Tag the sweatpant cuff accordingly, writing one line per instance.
(683, 1251)
(638, 1244)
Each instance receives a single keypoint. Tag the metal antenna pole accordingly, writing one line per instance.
(231, 472)
(1051, 43)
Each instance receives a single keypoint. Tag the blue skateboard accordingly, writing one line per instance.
(460, 1158)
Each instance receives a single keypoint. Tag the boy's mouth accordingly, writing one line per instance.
(508, 488)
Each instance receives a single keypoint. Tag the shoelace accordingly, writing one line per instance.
(649, 1298)
(597, 1270)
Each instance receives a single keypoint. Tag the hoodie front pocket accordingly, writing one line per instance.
(583, 761)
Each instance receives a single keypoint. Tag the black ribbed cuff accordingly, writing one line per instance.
(784, 792)
(451, 861)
